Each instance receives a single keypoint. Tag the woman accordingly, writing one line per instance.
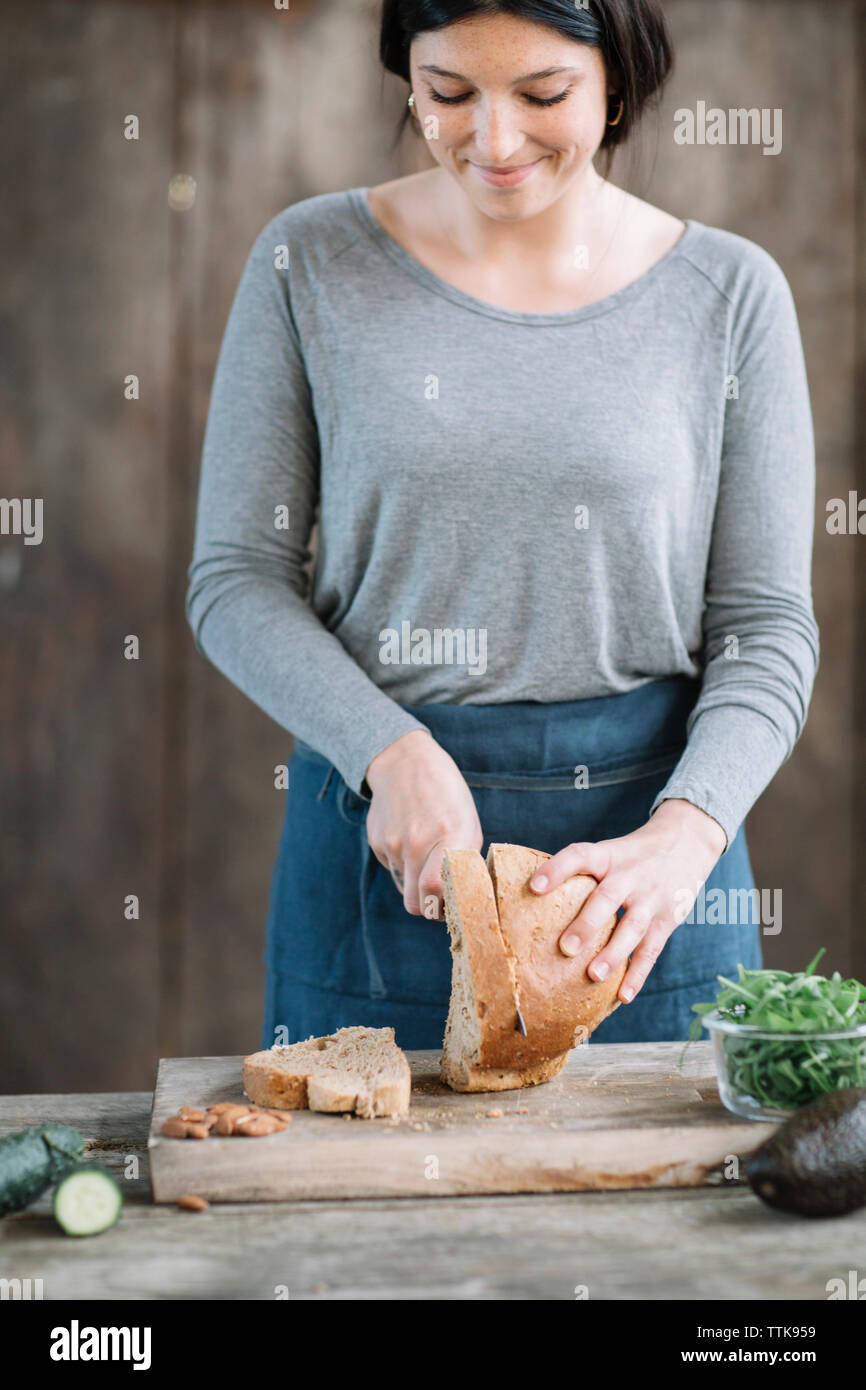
(561, 444)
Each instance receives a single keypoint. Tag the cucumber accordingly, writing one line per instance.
(87, 1200)
(34, 1158)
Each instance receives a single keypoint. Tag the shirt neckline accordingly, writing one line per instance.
(434, 282)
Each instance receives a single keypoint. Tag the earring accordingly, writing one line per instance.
(411, 103)
(619, 113)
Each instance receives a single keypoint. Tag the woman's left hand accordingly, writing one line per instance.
(655, 873)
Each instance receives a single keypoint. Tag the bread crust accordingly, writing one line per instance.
(266, 1085)
(561, 1005)
(468, 883)
(296, 1078)
(510, 936)
(462, 1076)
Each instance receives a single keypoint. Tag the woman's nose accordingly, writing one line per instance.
(497, 134)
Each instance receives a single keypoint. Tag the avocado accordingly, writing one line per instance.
(815, 1163)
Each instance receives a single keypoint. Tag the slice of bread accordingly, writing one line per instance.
(505, 955)
(356, 1069)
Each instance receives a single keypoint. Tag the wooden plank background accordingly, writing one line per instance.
(155, 777)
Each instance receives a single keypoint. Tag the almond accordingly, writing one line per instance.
(226, 1117)
(175, 1128)
(278, 1121)
(256, 1126)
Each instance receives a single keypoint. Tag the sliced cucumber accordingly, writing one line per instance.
(87, 1201)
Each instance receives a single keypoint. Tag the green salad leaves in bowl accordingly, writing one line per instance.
(780, 1040)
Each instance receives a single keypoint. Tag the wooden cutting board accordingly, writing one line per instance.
(618, 1116)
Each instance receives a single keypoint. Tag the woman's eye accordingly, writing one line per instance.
(534, 101)
(548, 101)
(450, 101)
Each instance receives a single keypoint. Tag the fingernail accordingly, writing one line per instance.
(540, 882)
(627, 993)
(570, 945)
(601, 970)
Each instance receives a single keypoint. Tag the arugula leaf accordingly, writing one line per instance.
(790, 1071)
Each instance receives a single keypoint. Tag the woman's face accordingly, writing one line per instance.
(521, 110)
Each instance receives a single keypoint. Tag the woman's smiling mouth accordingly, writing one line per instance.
(505, 177)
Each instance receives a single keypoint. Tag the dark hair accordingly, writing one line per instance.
(632, 35)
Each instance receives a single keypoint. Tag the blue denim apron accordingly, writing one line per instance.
(341, 948)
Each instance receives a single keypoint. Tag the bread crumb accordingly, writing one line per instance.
(524, 1110)
(494, 1114)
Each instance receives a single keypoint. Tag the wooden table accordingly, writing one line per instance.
(707, 1243)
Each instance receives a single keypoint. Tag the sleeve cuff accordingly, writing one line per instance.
(704, 802)
(706, 775)
(354, 771)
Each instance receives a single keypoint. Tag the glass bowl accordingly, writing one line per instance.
(766, 1075)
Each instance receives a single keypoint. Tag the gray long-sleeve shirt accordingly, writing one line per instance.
(568, 505)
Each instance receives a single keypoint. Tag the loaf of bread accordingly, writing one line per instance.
(505, 956)
(355, 1069)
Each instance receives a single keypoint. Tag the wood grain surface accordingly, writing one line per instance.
(712, 1243)
(618, 1116)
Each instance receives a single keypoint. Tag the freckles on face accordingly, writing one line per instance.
(511, 109)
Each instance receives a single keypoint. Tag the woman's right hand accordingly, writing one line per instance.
(421, 805)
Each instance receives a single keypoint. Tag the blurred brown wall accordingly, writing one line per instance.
(155, 777)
